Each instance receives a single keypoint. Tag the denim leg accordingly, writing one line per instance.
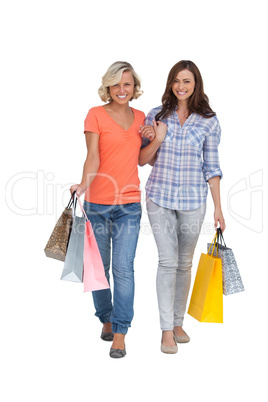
(189, 226)
(125, 232)
(99, 218)
(164, 226)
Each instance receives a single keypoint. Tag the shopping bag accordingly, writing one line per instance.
(57, 244)
(73, 265)
(94, 274)
(206, 303)
(231, 278)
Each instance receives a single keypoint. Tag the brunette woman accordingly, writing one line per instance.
(184, 155)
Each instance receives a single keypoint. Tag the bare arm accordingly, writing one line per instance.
(148, 154)
(214, 184)
(91, 164)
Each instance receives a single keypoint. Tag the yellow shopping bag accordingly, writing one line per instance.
(206, 304)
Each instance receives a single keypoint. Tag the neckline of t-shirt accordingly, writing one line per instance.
(118, 125)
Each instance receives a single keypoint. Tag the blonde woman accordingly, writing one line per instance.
(112, 196)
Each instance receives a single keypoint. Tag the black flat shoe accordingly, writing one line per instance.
(117, 353)
(107, 336)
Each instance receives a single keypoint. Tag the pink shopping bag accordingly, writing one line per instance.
(94, 275)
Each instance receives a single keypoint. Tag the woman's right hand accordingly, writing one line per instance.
(160, 129)
(78, 188)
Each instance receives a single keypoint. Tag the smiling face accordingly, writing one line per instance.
(123, 91)
(184, 85)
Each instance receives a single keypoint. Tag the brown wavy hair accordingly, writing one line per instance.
(198, 101)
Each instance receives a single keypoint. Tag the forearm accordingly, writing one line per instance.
(148, 154)
(90, 169)
(214, 185)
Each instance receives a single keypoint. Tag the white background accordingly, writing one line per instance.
(54, 54)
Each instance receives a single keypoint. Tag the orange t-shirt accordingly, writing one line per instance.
(117, 180)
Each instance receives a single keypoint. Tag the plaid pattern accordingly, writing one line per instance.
(187, 158)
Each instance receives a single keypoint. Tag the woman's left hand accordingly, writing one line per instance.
(218, 218)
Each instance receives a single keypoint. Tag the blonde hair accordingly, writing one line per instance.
(113, 76)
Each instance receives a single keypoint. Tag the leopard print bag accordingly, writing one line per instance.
(58, 242)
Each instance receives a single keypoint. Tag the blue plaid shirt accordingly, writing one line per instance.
(186, 159)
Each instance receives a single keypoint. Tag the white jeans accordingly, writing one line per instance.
(176, 234)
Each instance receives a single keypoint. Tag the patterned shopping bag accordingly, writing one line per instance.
(231, 278)
(58, 242)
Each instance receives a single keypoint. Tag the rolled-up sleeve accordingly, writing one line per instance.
(211, 165)
(149, 118)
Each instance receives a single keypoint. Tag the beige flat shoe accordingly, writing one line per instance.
(182, 338)
(169, 349)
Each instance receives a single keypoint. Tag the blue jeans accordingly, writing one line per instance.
(117, 226)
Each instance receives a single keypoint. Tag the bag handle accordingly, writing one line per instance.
(81, 206)
(214, 242)
(220, 238)
(70, 203)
